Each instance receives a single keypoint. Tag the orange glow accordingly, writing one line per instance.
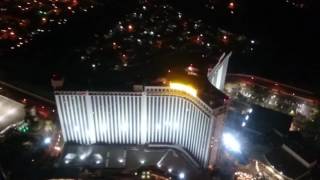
(185, 88)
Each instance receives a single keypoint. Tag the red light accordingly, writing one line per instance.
(231, 5)
(225, 37)
(130, 28)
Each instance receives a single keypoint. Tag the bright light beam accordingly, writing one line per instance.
(231, 143)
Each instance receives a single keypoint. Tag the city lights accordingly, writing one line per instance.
(24, 19)
(185, 88)
(147, 92)
(243, 176)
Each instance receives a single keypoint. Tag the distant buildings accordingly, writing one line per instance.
(301, 104)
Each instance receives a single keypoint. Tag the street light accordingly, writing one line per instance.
(142, 161)
(243, 124)
(181, 175)
(47, 140)
(120, 160)
(82, 157)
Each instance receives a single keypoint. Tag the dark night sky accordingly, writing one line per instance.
(287, 50)
(287, 46)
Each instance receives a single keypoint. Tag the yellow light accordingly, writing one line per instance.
(185, 88)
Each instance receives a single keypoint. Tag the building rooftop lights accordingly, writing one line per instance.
(182, 87)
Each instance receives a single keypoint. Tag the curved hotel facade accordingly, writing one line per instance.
(158, 114)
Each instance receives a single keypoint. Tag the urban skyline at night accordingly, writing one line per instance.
(159, 89)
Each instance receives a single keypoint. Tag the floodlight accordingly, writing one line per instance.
(231, 143)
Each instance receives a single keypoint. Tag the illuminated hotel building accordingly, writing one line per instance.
(173, 113)
(155, 115)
